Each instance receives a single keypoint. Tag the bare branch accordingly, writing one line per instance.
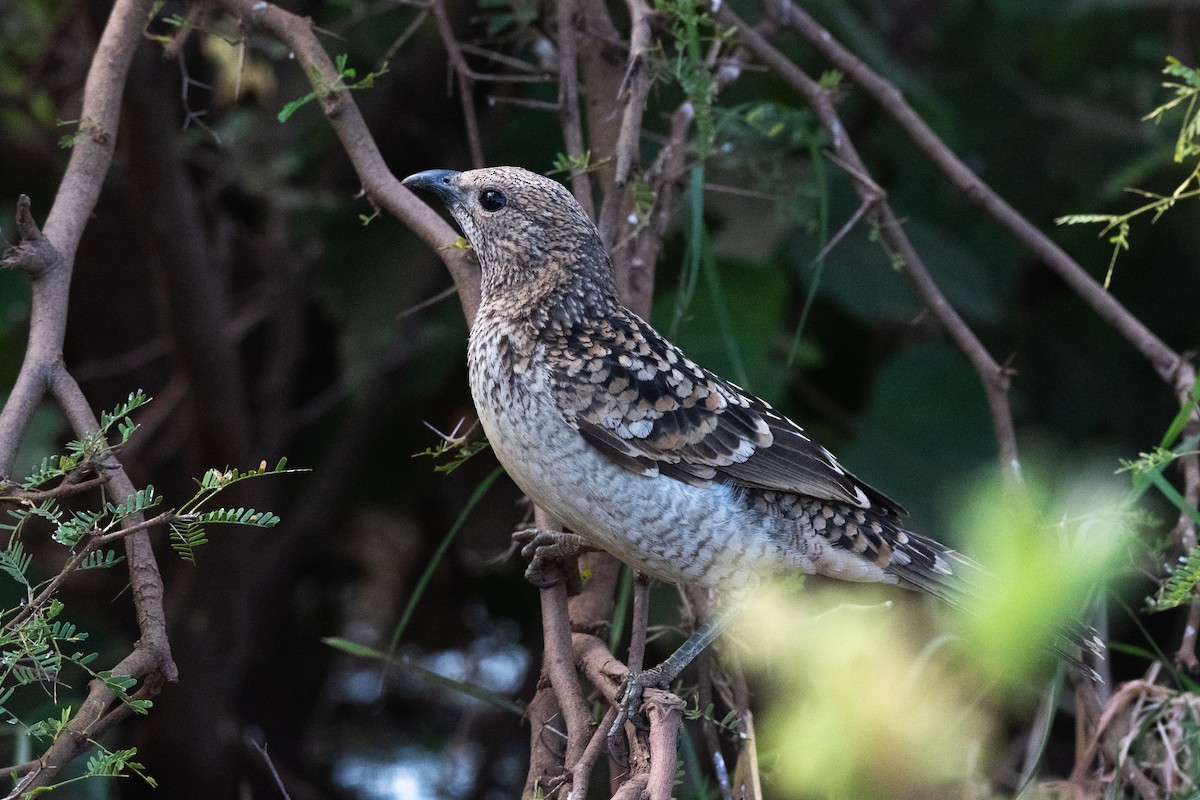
(635, 90)
(995, 379)
(560, 660)
(380, 185)
(1165, 361)
(568, 103)
(465, 78)
(665, 711)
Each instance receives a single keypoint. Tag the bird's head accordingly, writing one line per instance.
(533, 241)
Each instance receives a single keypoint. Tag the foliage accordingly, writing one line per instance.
(570, 165)
(869, 701)
(347, 79)
(38, 646)
(1179, 587)
(458, 448)
(1187, 145)
(687, 64)
(187, 525)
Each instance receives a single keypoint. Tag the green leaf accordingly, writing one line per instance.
(14, 561)
(1180, 586)
(354, 648)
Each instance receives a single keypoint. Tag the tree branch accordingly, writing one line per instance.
(1164, 360)
(48, 258)
(568, 103)
(995, 379)
(379, 184)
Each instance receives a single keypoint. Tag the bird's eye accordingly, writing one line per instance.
(492, 200)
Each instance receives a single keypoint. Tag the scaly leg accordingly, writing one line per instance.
(664, 674)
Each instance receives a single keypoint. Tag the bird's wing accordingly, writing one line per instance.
(642, 403)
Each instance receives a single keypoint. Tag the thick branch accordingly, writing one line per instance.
(559, 658)
(634, 93)
(54, 250)
(380, 185)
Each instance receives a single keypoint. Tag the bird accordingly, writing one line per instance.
(636, 448)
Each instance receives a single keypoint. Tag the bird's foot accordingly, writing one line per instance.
(631, 698)
(548, 549)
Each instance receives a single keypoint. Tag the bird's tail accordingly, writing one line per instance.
(955, 579)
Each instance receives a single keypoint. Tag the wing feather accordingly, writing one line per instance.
(641, 402)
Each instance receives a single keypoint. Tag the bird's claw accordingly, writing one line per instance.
(547, 548)
(628, 709)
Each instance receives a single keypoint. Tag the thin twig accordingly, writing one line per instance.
(65, 489)
(1164, 360)
(581, 773)
(466, 81)
(449, 291)
(995, 379)
(568, 100)
(262, 751)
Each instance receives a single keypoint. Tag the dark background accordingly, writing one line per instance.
(227, 273)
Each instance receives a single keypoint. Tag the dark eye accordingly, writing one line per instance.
(492, 200)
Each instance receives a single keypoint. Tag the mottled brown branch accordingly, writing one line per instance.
(665, 711)
(50, 276)
(637, 281)
(602, 52)
(635, 90)
(634, 788)
(993, 376)
(545, 760)
(602, 669)
(560, 659)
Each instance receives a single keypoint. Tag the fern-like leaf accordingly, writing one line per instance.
(238, 516)
(100, 560)
(14, 561)
(1180, 585)
(136, 502)
(186, 536)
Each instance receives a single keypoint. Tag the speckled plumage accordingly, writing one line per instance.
(639, 450)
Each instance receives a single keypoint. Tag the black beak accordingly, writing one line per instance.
(441, 182)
